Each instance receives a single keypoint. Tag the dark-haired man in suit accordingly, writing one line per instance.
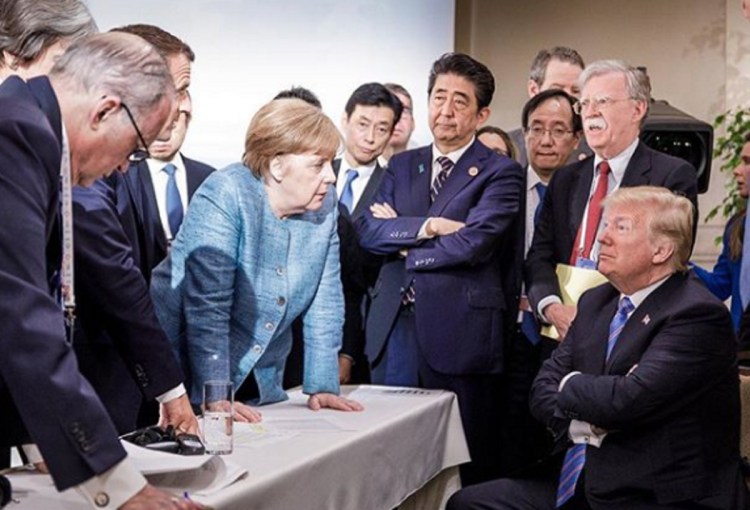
(614, 101)
(447, 218)
(642, 396)
(121, 347)
(64, 130)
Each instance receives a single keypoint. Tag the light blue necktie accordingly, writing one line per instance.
(347, 195)
(575, 457)
(174, 202)
(745, 265)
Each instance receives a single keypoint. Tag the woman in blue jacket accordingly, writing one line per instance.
(724, 280)
(259, 248)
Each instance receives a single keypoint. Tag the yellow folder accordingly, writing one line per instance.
(574, 281)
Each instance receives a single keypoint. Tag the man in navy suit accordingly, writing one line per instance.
(642, 396)
(614, 101)
(447, 218)
(74, 127)
(121, 347)
(156, 211)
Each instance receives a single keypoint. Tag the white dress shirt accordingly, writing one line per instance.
(359, 184)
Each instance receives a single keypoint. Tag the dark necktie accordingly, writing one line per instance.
(174, 202)
(446, 165)
(541, 190)
(593, 215)
(529, 325)
(575, 457)
(347, 195)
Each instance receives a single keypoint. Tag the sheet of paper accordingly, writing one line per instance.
(256, 435)
(574, 281)
(381, 393)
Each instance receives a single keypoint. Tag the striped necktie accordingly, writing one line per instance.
(575, 457)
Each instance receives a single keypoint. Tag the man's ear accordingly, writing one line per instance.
(532, 88)
(103, 110)
(482, 116)
(663, 252)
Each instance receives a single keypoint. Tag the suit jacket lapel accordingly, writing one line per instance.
(641, 323)
(47, 101)
(639, 166)
(419, 184)
(369, 192)
(192, 179)
(582, 188)
(469, 165)
(151, 218)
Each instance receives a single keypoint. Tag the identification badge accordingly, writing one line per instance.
(585, 263)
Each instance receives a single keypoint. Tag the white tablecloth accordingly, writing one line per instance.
(405, 443)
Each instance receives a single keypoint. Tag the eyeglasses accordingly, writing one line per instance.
(597, 103)
(557, 133)
(140, 153)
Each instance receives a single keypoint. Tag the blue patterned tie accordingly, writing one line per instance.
(347, 195)
(575, 457)
(745, 265)
(174, 202)
(541, 190)
(446, 165)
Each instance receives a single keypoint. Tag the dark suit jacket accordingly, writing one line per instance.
(139, 212)
(674, 419)
(466, 293)
(40, 385)
(359, 268)
(565, 203)
(121, 347)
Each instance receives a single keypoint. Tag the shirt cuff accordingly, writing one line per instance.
(566, 379)
(581, 432)
(33, 455)
(111, 489)
(422, 234)
(172, 394)
(543, 303)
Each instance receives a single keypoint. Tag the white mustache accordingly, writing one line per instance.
(595, 123)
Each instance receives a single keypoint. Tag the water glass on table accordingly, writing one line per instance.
(218, 397)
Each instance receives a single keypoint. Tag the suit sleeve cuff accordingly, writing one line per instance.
(112, 488)
(172, 394)
(33, 455)
(566, 379)
(544, 303)
(422, 234)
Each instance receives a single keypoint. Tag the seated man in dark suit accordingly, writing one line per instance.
(642, 396)
(614, 101)
(55, 133)
(121, 347)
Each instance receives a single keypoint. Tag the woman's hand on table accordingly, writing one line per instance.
(245, 413)
(331, 401)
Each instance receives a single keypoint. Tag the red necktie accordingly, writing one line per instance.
(593, 216)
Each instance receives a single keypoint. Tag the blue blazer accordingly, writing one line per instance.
(467, 283)
(236, 279)
(40, 385)
(724, 280)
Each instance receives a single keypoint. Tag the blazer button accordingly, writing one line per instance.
(257, 349)
(280, 301)
(101, 499)
(269, 326)
(280, 271)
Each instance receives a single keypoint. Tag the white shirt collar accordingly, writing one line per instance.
(640, 296)
(453, 155)
(619, 163)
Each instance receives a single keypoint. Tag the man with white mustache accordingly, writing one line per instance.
(615, 98)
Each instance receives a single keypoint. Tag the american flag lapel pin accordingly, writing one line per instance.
(646, 319)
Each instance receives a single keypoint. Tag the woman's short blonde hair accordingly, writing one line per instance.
(288, 126)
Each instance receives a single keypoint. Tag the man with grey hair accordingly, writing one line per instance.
(33, 33)
(642, 397)
(614, 101)
(556, 68)
(106, 98)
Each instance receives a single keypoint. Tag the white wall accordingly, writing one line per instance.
(248, 50)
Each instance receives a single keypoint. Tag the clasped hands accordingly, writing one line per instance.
(434, 226)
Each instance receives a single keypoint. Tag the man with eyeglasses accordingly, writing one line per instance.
(614, 101)
(552, 132)
(56, 132)
(556, 68)
(121, 347)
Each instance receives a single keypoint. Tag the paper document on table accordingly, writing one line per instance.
(196, 474)
(257, 435)
(375, 393)
(574, 281)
